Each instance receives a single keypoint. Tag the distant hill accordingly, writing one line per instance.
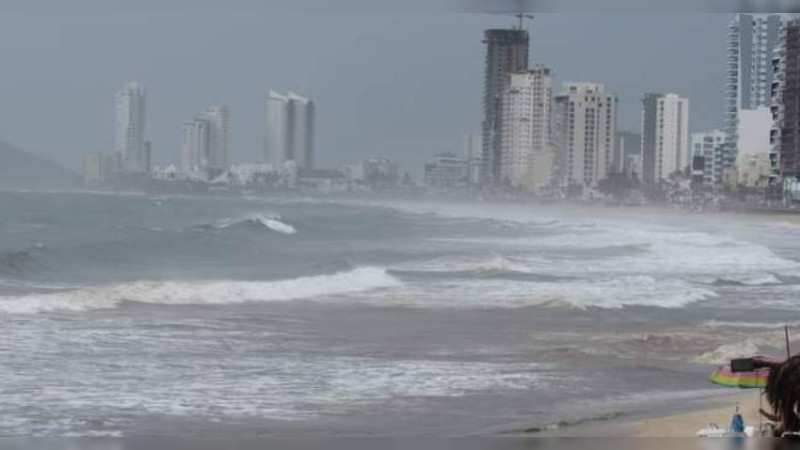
(23, 170)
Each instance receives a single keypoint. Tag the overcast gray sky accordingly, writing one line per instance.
(402, 85)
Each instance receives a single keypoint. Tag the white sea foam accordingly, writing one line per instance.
(755, 344)
(699, 256)
(749, 325)
(613, 293)
(663, 249)
(752, 280)
(261, 386)
(277, 225)
(469, 263)
(270, 221)
(728, 352)
(629, 248)
(202, 293)
(614, 266)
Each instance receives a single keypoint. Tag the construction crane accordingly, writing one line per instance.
(521, 16)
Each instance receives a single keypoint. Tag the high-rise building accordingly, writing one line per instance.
(753, 160)
(710, 146)
(789, 150)
(194, 149)
(752, 43)
(585, 132)
(277, 143)
(627, 154)
(301, 119)
(148, 156)
(219, 137)
(130, 126)
(506, 53)
(290, 130)
(472, 145)
(672, 131)
(776, 108)
(665, 131)
(649, 138)
(524, 160)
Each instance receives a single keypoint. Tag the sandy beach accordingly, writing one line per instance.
(684, 424)
(687, 424)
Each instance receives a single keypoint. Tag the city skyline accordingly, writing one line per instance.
(402, 127)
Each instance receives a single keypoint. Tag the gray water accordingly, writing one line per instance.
(135, 315)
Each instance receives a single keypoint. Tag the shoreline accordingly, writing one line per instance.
(687, 424)
(680, 423)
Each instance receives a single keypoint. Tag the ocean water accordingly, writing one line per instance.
(126, 315)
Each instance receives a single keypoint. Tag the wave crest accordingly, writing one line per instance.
(613, 293)
(202, 293)
(745, 280)
(752, 346)
(20, 262)
(272, 222)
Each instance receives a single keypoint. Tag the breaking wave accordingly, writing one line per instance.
(756, 344)
(728, 352)
(498, 267)
(273, 223)
(614, 293)
(201, 293)
(277, 225)
(20, 262)
(746, 280)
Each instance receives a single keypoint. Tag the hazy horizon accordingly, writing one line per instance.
(384, 84)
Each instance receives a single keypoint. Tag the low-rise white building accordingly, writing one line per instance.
(377, 172)
(248, 173)
(446, 171)
(168, 173)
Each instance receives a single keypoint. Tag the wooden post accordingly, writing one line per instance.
(786, 332)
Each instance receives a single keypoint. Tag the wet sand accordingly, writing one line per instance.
(683, 424)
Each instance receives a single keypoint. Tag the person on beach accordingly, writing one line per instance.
(783, 395)
(778, 431)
